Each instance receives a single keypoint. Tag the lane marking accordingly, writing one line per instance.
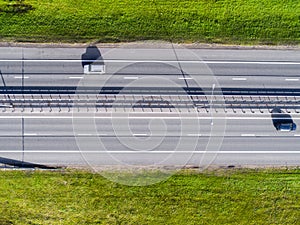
(185, 78)
(131, 78)
(239, 78)
(75, 77)
(291, 79)
(248, 135)
(83, 135)
(194, 135)
(159, 61)
(254, 62)
(140, 134)
(70, 135)
(137, 117)
(20, 77)
(154, 152)
(90, 135)
(30, 134)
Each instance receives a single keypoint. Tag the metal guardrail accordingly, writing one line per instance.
(148, 91)
(48, 102)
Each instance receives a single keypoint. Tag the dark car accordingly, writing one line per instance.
(282, 126)
(282, 121)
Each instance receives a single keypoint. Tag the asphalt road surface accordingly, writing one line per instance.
(52, 139)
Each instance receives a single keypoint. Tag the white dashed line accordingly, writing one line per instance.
(195, 135)
(239, 78)
(185, 78)
(20, 77)
(291, 79)
(248, 135)
(140, 134)
(131, 78)
(30, 134)
(75, 77)
(90, 135)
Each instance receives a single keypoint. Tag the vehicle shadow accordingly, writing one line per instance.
(279, 118)
(92, 54)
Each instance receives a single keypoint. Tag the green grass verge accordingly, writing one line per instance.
(220, 197)
(218, 21)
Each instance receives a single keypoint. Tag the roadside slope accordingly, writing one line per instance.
(267, 196)
(210, 21)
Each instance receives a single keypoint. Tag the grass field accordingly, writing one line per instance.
(218, 21)
(219, 197)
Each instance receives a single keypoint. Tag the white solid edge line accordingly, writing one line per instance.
(159, 61)
(71, 135)
(155, 152)
(136, 117)
(49, 135)
(253, 62)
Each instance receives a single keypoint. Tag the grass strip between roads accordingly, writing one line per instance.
(218, 21)
(239, 196)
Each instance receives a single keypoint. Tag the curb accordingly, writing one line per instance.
(150, 44)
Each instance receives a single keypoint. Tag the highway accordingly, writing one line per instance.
(228, 74)
(225, 121)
